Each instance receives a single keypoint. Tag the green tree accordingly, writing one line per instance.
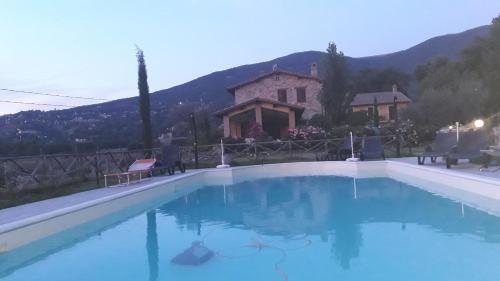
(423, 71)
(357, 118)
(320, 121)
(482, 59)
(457, 101)
(378, 80)
(334, 94)
(144, 104)
(205, 120)
(450, 91)
(439, 73)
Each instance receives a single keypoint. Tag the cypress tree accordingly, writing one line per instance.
(334, 94)
(144, 104)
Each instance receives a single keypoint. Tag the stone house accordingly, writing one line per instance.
(275, 100)
(364, 102)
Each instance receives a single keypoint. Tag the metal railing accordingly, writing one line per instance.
(280, 151)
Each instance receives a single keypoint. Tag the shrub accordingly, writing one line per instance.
(257, 133)
(307, 133)
(320, 121)
(341, 131)
(358, 118)
(231, 140)
(409, 132)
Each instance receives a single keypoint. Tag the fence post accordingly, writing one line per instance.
(96, 168)
(195, 143)
(255, 150)
(289, 149)
(44, 175)
(106, 159)
(3, 181)
(396, 121)
(398, 144)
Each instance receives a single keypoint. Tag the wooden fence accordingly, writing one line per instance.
(28, 172)
(31, 172)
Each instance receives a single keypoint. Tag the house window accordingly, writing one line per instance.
(392, 113)
(277, 77)
(301, 94)
(282, 95)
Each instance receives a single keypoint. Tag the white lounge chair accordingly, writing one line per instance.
(139, 167)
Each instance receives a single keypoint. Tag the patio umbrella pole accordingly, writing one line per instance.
(352, 150)
(222, 165)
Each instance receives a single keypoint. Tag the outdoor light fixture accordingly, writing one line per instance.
(478, 123)
(450, 127)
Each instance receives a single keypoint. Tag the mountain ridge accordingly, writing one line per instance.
(448, 45)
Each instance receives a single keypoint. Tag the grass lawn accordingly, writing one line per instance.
(11, 199)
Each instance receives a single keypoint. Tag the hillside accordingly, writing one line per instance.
(212, 87)
(118, 121)
(447, 45)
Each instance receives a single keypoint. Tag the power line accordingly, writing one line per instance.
(34, 103)
(52, 95)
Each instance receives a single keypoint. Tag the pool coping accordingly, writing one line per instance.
(137, 187)
(487, 187)
(482, 179)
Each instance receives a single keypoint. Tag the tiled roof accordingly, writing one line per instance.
(233, 88)
(297, 108)
(382, 98)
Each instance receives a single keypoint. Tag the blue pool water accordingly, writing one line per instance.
(297, 228)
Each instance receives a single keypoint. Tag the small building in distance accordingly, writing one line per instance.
(275, 100)
(363, 102)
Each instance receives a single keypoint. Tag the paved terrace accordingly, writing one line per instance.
(463, 167)
(17, 213)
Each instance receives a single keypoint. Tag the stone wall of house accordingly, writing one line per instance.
(383, 109)
(268, 88)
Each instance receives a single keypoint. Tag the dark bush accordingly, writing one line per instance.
(320, 121)
(358, 118)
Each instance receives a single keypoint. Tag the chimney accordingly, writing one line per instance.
(314, 70)
(394, 88)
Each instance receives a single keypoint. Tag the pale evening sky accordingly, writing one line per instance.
(86, 48)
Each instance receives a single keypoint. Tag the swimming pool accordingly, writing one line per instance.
(285, 228)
